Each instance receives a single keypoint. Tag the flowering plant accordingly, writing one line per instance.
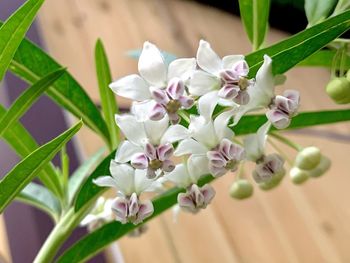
(190, 122)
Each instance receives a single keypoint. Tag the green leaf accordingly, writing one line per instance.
(30, 166)
(78, 177)
(293, 50)
(31, 63)
(94, 242)
(38, 196)
(89, 190)
(317, 10)
(26, 99)
(324, 58)
(255, 16)
(23, 144)
(108, 101)
(13, 31)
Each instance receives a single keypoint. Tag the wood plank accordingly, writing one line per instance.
(290, 224)
(4, 248)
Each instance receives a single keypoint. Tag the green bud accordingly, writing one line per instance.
(323, 166)
(339, 90)
(275, 181)
(308, 158)
(348, 75)
(241, 189)
(298, 176)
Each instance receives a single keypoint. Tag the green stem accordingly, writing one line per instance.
(278, 149)
(286, 141)
(59, 234)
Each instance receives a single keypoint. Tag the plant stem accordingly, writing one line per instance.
(286, 141)
(59, 234)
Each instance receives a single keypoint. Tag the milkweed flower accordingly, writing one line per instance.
(100, 214)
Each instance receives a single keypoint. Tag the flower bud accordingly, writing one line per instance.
(298, 175)
(268, 185)
(241, 189)
(321, 168)
(308, 158)
(339, 90)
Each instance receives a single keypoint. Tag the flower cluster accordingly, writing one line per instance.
(189, 109)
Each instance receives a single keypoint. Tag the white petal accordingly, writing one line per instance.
(152, 66)
(203, 131)
(125, 151)
(179, 176)
(88, 219)
(189, 146)
(181, 68)
(142, 110)
(105, 181)
(131, 87)
(123, 175)
(254, 144)
(207, 104)
(202, 82)
(197, 166)
(155, 129)
(264, 89)
(207, 59)
(174, 133)
(142, 183)
(228, 61)
(132, 129)
(220, 125)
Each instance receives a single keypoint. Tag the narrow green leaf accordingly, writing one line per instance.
(38, 196)
(30, 166)
(324, 58)
(293, 50)
(108, 101)
(26, 99)
(31, 63)
(255, 16)
(13, 31)
(94, 242)
(78, 177)
(23, 144)
(317, 10)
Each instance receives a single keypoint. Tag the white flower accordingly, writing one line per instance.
(228, 76)
(160, 86)
(100, 214)
(149, 143)
(186, 175)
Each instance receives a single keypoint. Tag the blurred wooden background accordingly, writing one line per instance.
(308, 223)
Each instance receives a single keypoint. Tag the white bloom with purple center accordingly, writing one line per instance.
(159, 86)
(149, 143)
(100, 214)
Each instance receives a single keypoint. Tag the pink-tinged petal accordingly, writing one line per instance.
(133, 208)
(231, 151)
(131, 87)
(120, 208)
(186, 203)
(229, 61)
(217, 171)
(165, 151)
(202, 82)
(152, 66)
(241, 67)
(125, 151)
(181, 68)
(186, 102)
(159, 95)
(146, 209)
(216, 159)
(104, 181)
(151, 174)
(131, 128)
(174, 133)
(168, 166)
(207, 104)
(293, 95)
(229, 76)
(242, 98)
(197, 196)
(175, 88)
(208, 193)
(157, 112)
(174, 118)
(278, 119)
(207, 59)
(139, 161)
(150, 151)
(228, 92)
